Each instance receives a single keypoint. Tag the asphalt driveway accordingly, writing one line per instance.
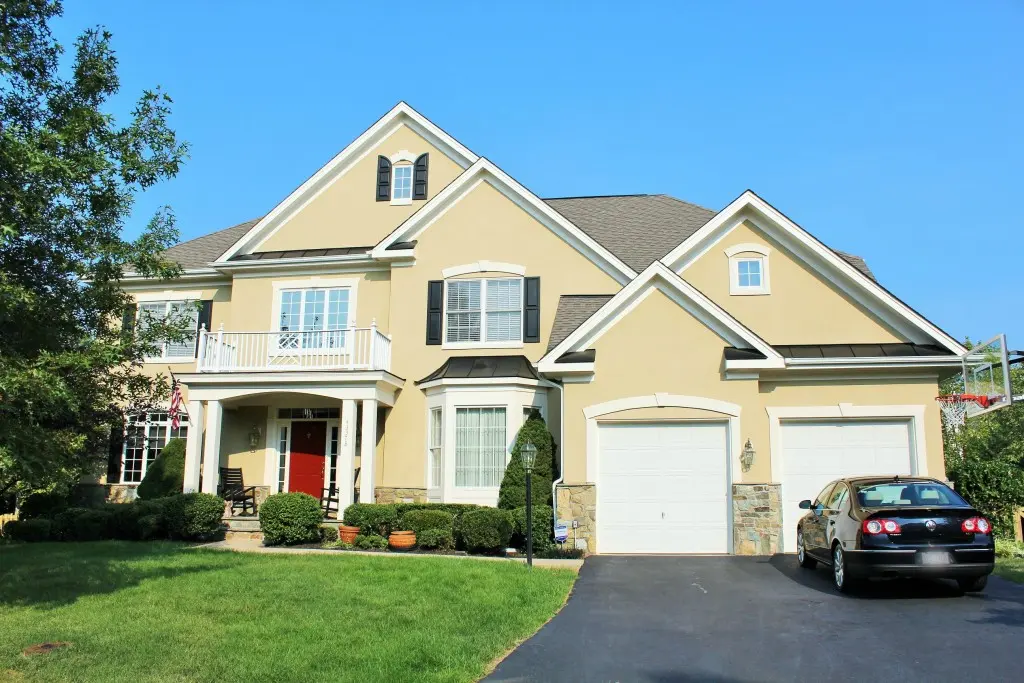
(731, 619)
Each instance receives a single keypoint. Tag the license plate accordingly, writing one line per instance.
(933, 558)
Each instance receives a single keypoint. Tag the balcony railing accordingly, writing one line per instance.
(355, 348)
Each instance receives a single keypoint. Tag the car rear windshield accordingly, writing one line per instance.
(907, 493)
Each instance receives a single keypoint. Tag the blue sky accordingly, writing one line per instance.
(890, 130)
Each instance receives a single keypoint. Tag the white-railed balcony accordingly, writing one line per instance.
(354, 348)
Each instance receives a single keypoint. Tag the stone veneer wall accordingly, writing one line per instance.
(756, 518)
(578, 502)
(390, 494)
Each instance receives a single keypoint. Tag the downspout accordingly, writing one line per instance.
(561, 452)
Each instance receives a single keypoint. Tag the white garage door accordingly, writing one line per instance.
(663, 488)
(815, 453)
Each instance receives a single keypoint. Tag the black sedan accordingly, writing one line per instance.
(895, 526)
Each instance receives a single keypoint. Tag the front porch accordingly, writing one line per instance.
(296, 431)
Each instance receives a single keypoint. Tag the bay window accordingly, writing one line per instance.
(436, 442)
(480, 443)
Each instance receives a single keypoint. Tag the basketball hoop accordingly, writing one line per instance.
(954, 407)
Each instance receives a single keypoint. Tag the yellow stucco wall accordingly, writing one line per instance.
(347, 214)
(631, 363)
(802, 308)
(485, 225)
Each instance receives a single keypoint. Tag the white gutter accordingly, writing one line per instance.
(561, 453)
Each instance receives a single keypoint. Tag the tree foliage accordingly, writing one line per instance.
(512, 493)
(69, 174)
(985, 458)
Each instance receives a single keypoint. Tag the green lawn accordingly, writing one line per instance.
(1010, 568)
(165, 612)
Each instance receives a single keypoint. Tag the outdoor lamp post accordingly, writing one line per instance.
(528, 453)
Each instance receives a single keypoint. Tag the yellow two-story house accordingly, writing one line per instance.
(389, 325)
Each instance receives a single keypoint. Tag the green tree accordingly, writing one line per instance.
(69, 174)
(512, 493)
(165, 476)
(985, 457)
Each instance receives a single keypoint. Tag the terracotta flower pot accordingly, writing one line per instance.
(402, 540)
(348, 533)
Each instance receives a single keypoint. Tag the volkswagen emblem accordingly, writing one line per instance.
(930, 525)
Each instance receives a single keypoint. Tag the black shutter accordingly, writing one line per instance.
(383, 179)
(531, 310)
(419, 177)
(205, 316)
(128, 320)
(435, 303)
(114, 454)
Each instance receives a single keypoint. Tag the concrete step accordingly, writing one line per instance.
(245, 524)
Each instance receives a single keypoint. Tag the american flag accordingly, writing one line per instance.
(175, 405)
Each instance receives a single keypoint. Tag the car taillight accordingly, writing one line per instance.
(881, 526)
(975, 525)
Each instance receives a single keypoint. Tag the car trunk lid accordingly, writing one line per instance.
(927, 525)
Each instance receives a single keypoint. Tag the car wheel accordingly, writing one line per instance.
(840, 572)
(805, 560)
(975, 585)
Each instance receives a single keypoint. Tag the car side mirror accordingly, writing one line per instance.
(805, 505)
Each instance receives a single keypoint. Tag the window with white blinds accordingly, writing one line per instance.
(436, 444)
(185, 313)
(489, 310)
(480, 442)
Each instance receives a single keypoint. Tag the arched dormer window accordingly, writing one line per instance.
(748, 269)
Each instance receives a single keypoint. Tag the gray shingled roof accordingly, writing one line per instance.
(462, 367)
(639, 229)
(199, 252)
(573, 310)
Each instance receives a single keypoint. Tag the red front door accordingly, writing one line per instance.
(306, 471)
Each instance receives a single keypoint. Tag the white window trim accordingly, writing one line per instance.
(145, 448)
(431, 488)
(403, 201)
(450, 398)
(748, 252)
(483, 267)
(175, 297)
(280, 286)
(484, 344)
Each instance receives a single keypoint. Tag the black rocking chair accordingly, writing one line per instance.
(329, 502)
(233, 490)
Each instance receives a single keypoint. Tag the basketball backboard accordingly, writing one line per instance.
(986, 375)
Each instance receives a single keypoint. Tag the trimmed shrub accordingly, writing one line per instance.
(422, 520)
(328, 533)
(194, 516)
(126, 519)
(556, 552)
(290, 519)
(486, 530)
(543, 527)
(370, 542)
(47, 505)
(28, 530)
(150, 527)
(88, 525)
(512, 493)
(372, 518)
(338, 545)
(435, 539)
(165, 476)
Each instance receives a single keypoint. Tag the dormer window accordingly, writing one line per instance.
(748, 269)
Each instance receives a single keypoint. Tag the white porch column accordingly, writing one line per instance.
(346, 455)
(367, 451)
(211, 463)
(193, 446)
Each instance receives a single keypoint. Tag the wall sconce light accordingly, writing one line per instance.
(254, 438)
(747, 456)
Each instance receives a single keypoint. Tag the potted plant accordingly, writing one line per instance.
(402, 540)
(348, 533)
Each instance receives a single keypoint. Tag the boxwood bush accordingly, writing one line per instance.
(126, 519)
(370, 542)
(290, 519)
(486, 530)
(328, 533)
(194, 516)
(422, 520)
(543, 527)
(28, 530)
(435, 539)
(83, 524)
(371, 518)
(165, 476)
(42, 505)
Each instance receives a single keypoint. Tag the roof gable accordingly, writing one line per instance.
(401, 115)
(826, 262)
(658, 276)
